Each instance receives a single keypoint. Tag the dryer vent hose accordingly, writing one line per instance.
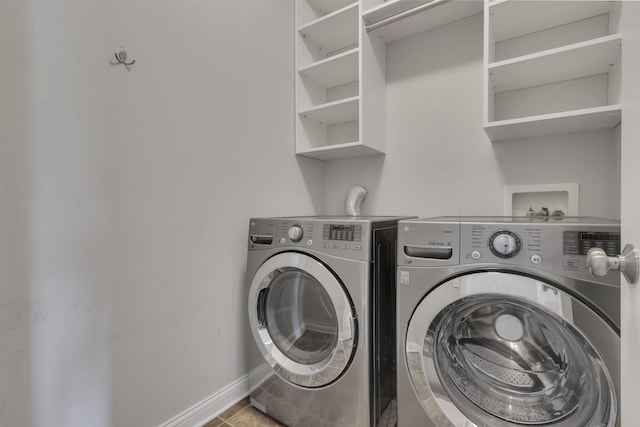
(354, 199)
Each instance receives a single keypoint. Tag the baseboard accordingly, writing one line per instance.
(259, 375)
(201, 413)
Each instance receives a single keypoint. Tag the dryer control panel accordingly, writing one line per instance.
(349, 238)
(558, 246)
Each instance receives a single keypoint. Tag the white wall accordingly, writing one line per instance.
(15, 313)
(203, 139)
(439, 160)
(128, 198)
(68, 216)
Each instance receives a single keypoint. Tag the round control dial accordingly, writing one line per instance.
(295, 233)
(505, 244)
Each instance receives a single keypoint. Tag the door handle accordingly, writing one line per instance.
(628, 263)
(433, 252)
(262, 300)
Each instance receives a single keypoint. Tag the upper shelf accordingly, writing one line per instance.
(588, 119)
(514, 18)
(389, 9)
(429, 14)
(568, 62)
(321, 8)
(339, 151)
(344, 110)
(334, 31)
(333, 71)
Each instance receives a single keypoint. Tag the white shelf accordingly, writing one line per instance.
(389, 9)
(325, 7)
(334, 31)
(588, 119)
(514, 18)
(344, 110)
(339, 151)
(568, 62)
(334, 71)
(444, 13)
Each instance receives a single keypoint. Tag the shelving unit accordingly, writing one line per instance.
(341, 65)
(551, 67)
(329, 97)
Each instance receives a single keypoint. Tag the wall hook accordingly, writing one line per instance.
(121, 58)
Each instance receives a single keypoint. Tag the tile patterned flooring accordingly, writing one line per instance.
(242, 414)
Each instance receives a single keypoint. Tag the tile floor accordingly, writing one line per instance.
(242, 414)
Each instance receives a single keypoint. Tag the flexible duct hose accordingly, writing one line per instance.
(354, 199)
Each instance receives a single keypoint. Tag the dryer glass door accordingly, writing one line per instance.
(503, 349)
(302, 319)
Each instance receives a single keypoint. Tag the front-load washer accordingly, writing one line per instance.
(321, 308)
(500, 323)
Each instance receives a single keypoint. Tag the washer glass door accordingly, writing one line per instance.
(501, 349)
(302, 319)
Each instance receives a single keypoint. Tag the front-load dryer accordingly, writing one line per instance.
(500, 323)
(321, 309)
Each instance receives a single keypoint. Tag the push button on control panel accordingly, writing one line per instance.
(536, 259)
(475, 255)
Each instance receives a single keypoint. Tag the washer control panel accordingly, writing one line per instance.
(504, 243)
(558, 246)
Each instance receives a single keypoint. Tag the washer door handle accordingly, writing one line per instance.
(432, 252)
(628, 263)
(352, 326)
(262, 301)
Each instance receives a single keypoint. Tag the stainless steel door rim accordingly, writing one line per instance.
(502, 349)
(283, 340)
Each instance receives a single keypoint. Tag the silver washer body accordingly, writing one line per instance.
(527, 337)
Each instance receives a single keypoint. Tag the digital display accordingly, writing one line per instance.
(603, 237)
(345, 233)
(579, 242)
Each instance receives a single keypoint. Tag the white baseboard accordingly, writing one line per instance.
(203, 412)
(259, 375)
